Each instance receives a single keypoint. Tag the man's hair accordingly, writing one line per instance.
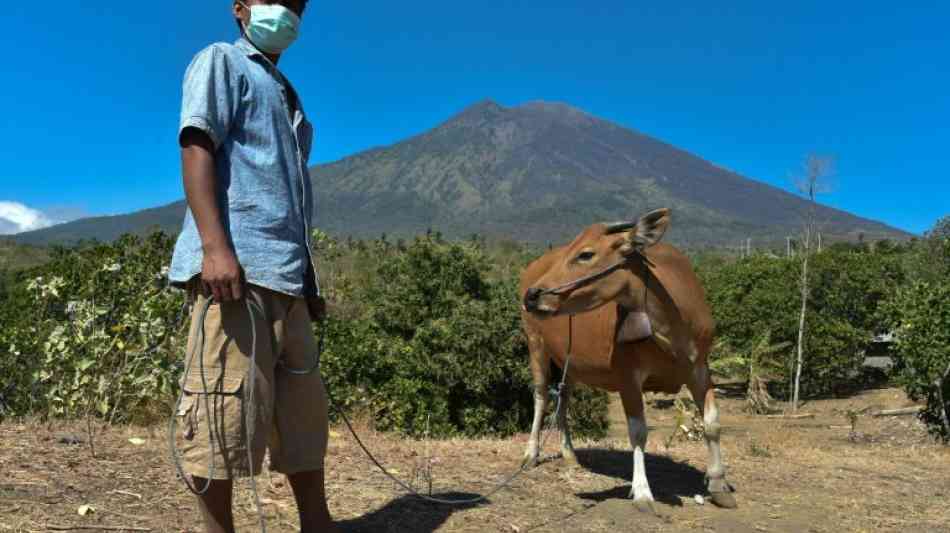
(303, 7)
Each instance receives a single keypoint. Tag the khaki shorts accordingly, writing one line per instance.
(289, 415)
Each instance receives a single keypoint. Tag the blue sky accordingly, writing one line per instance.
(93, 88)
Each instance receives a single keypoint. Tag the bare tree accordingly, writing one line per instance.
(812, 182)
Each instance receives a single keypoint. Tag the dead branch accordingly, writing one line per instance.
(902, 411)
(123, 515)
(792, 417)
(126, 493)
(92, 444)
(54, 527)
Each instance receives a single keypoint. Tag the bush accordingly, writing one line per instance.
(92, 331)
(424, 335)
(761, 293)
(920, 318)
(438, 346)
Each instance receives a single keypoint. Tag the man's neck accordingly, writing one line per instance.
(274, 58)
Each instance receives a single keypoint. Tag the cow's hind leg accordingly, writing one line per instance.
(632, 399)
(541, 375)
(704, 394)
(567, 446)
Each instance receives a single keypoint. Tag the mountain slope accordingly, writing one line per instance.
(167, 218)
(541, 171)
(536, 172)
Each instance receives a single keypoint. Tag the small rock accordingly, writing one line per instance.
(70, 439)
(699, 499)
(83, 510)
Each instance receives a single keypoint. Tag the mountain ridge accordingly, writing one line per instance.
(535, 172)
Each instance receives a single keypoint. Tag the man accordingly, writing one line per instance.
(245, 142)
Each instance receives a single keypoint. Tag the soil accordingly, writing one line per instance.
(801, 475)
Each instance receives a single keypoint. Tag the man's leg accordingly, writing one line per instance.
(299, 443)
(310, 493)
(213, 403)
(215, 505)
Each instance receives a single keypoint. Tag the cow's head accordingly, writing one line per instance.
(597, 267)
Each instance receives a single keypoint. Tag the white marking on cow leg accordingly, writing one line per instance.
(533, 451)
(567, 447)
(715, 469)
(705, 397)
(640, 490)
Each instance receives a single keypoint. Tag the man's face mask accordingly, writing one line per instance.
(272, 27)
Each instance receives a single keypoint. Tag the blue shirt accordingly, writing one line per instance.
(239, 98)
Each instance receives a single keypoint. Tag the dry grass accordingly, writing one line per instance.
(802, 475)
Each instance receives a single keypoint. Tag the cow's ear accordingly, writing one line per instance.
(649, 230)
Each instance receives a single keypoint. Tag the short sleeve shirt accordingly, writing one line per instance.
(262, 141)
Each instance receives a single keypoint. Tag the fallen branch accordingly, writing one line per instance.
(902, 411)
(96, 527)
(123, 515)
(126, 493)
(792, 417)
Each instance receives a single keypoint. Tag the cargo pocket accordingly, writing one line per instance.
(186, 416)
(213, 401)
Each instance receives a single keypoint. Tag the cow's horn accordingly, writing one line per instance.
(617, 227)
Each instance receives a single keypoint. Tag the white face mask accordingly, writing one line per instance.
(272, 28)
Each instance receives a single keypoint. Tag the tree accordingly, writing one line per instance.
(811, 182)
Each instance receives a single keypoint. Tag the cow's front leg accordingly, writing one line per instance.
(567, 447)
(704, 394)
(637, 427)
(541, 375)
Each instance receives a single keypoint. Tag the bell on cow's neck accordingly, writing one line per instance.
(636, 327)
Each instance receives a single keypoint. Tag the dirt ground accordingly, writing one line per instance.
(806, 475)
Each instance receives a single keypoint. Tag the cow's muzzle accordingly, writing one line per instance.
(532, 299)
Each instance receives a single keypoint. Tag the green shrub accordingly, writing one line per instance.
(919, 316)
(421, 335)
(92, 331)
(761, 293)
(438, 347)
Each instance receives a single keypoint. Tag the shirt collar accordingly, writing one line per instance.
(245, 46)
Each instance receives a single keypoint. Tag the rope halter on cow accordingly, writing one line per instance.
(636, 256)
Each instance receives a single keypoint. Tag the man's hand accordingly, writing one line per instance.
(317, 307)
(222, 275)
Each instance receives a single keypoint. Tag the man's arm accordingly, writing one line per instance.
(220, 271)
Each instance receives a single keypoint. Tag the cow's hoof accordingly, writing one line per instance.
(530, 461)
(724, 499)
(646, 505)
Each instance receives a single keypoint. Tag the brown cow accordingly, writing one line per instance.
(636, 317)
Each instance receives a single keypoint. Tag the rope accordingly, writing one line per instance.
(256, 306)
(500, 486)
(252, 306)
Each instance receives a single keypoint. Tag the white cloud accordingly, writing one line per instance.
(16, 218)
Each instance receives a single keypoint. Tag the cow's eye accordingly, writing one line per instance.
(585, 256)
